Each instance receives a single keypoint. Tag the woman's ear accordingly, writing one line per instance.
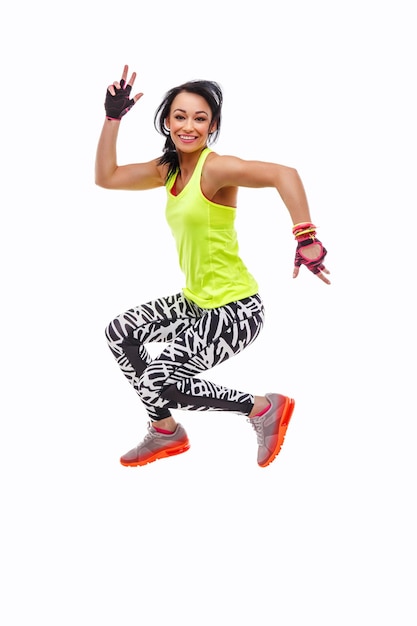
(166, 123)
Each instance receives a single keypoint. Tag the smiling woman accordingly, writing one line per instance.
(189, 113)
(218, 312)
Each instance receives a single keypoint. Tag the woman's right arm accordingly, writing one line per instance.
(110, 175)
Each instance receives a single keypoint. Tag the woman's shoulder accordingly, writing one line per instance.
(217, 175)
(162, 169)
(220, 161)
(221, 165)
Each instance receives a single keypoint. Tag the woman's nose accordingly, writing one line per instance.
(189, 124)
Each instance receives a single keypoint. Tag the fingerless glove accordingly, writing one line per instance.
(305, 235)
(118, 105)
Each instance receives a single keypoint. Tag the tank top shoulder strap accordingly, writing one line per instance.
(199, 167)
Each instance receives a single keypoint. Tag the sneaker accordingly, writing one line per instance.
(271, 427)
(156, 446)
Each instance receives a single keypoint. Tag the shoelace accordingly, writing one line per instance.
(151, 434)
(257, 427)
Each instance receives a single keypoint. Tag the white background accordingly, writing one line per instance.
(326, 534)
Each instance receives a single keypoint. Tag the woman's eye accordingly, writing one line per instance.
(181, 118)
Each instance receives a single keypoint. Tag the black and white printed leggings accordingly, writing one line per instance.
(198, 339)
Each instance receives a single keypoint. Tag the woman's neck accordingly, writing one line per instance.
(187, 161)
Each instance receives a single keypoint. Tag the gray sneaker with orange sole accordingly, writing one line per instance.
(271, 427)
(156, 446)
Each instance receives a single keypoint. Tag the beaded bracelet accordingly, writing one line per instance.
(302, 226)
(305, 231)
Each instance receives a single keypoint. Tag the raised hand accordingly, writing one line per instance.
(118, 101)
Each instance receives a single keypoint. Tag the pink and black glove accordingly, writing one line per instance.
(118, 105)
(305, 235)
(314, 265)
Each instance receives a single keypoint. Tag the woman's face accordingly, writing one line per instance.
(189, 122)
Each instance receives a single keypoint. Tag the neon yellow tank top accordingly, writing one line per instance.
(207, 245)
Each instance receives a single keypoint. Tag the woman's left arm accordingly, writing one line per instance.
(231, 171)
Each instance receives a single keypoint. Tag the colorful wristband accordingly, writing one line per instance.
(302, 226)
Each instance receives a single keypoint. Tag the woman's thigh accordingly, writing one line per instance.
(213, 338)
(159, 320)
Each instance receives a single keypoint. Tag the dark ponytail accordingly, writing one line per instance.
(211, 92)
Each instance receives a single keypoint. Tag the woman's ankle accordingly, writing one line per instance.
(167, 425)
(260, 406)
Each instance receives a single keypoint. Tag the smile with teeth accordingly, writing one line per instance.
(186, 137)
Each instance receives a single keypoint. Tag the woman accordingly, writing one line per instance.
(219, 311)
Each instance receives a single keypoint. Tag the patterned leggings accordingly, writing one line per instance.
(198, 339)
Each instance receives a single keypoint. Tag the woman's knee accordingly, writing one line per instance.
(115, 334)
(151, 384)
(110, 333)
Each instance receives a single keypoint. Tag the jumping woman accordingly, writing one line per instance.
(218, 312)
